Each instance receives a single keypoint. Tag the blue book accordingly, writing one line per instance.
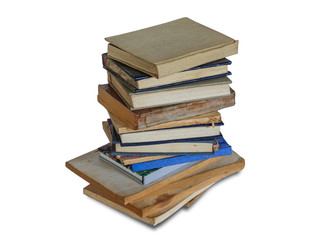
(224, 149)
(139, 81)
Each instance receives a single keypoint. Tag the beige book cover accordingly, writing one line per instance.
(171, 47)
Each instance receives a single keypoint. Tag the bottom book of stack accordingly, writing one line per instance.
(155, 202)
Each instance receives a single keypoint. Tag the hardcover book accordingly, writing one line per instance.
(174, 134)
(100, 196)
(170, 47)
(156, 198)
(143, 81)
(144, 177)
(139, 119)
(203, 145)
(208, 118)
(223, 150)
(206, 89)
(107, 154)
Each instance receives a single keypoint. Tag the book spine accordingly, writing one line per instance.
(116, 108)
(109, 65)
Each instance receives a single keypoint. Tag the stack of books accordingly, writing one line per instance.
(166, 85)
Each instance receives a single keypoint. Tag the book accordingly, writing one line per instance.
(203, 145)
(156, 198)
(143, 81)
(144, 177)
(191, 133)
(208, 118)
(168, 148)
(100, 196)
(224, 149)
(171, 47)
(188, 92)
(139, 119)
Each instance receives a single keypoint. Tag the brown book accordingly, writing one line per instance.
(208, 118)
(98, 195)
(139, 119)
(156, 199)
(171, 47)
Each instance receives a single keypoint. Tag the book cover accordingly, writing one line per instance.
(127, 191)
(183, 44)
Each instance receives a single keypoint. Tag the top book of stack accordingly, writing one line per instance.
(171, 47)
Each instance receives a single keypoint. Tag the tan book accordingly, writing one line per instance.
(127, 160)
(100, 196)
(160, 202)
(141, 80)
(139, 119)
(189, 92)
(127, 191)
(171, 47)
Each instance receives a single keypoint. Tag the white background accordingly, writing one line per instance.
(50, 60)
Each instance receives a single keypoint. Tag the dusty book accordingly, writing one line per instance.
(146, 176)
(194, 91)
(208, 118)
(143, 81)
(171, 47)
(174, 134)
(223, 149)
(156, 198)
(153, 220)
(203, 145)
(139, 119)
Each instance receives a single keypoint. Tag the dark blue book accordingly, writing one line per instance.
(138, 81)
(224, 149)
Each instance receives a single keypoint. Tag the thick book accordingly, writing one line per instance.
(145, 200)
(133, 159)
(100, 196)
(139, 119)
(168, 134)
(208, 118)
(143, 81)
(223, 150)
(194, 91)
(144, 177)
(171, 47)
(203, 145)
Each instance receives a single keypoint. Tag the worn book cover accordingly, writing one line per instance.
(171, 47)
(139, 119)
(144, 82)
(193, 91)
(223, 150)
